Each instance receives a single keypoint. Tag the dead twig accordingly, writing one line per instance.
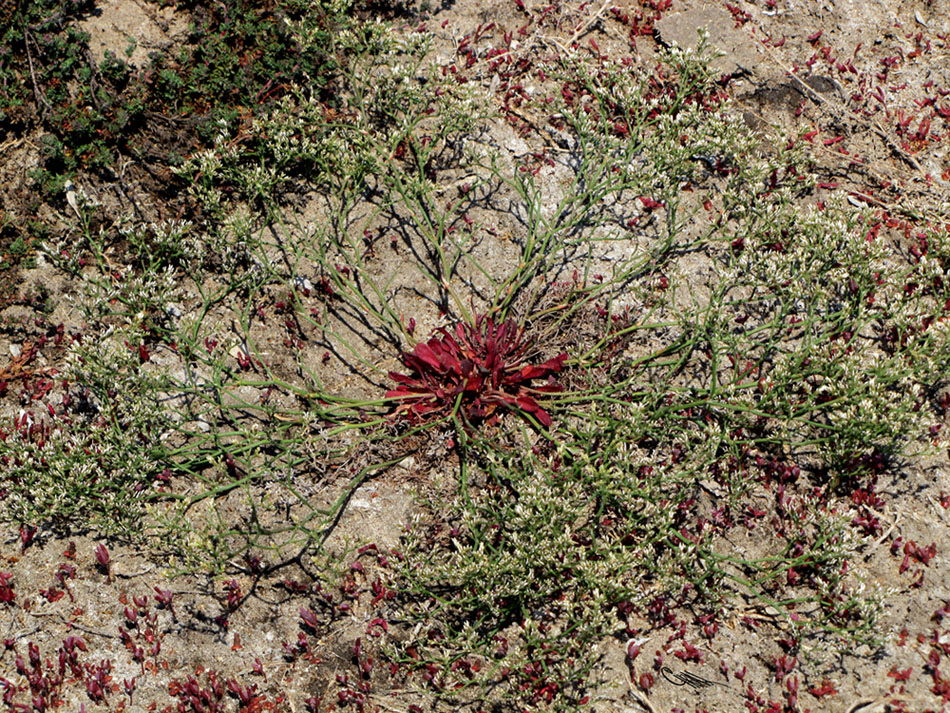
(16, 368)
(11, 144)
(38, 93)
(879, 130)
(642, 701)
(596, 17)
(93, 84)
(865, 702)
(877, 543)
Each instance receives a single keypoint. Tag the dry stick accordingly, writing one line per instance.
(29, 56)
(11, 144)
(870, 199)
(879, 130)
(590, 21)
(597, 16)
(864, 703)
(882, 538)
(91, 61)
(552, 41)
(642, 701)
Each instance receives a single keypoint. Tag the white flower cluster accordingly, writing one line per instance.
(205, 169)
(94, 459)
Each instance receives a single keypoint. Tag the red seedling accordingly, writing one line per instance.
(164, 599)
(27, 533)
(651, 204)
(478, 372)
(377, 622)
(295, 587)
(6, 587)
(826, 688)
(899, 675)
(233, 589)
(102, 557)
(245, 694)
(309, 619)
(688, 652)
(258, 668)
(70, 643)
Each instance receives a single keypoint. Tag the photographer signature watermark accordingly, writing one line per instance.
(685, 678)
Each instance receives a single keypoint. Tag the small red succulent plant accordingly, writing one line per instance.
(480, 370)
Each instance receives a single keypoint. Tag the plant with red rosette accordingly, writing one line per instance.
(477, 371)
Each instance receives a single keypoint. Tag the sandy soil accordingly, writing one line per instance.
(863, 76)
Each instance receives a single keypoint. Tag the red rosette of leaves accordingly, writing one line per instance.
(481, 369)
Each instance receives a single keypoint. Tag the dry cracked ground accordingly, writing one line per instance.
(710, 474)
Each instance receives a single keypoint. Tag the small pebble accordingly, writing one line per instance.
(302, 283)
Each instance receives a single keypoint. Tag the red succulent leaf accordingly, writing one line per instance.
(450, 351)
(400, 378)
(460, 333)
(309, 618)
(529, 405)
(499, 398)
(417, 363)
(481, 368)
(526, 403)
(474, 382)
(549, 367)
(549, 388)
(555, 364)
